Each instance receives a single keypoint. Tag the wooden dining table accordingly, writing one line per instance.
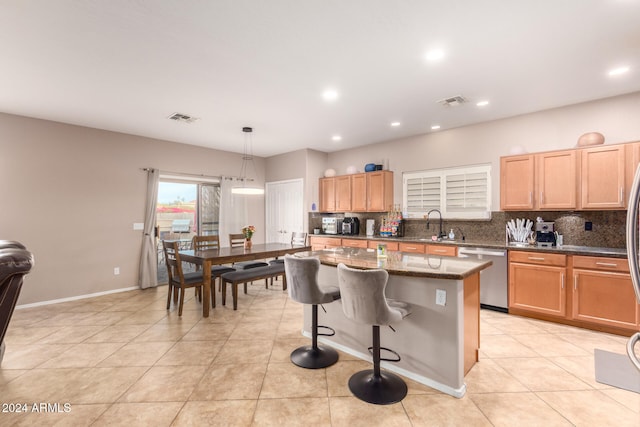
(207, 258)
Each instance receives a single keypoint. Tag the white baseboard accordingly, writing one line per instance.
(56, 301)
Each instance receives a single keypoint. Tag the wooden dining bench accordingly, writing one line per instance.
(246, 276)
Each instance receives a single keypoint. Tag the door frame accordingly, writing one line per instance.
(268, 210)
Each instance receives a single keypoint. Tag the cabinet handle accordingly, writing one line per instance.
(439, 250)
(536, 258)
(562, 278)
(541, 198)
(531, 197)
(575, 283)
(621, 195)
(606, 264)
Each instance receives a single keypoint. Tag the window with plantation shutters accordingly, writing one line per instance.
(462, 192)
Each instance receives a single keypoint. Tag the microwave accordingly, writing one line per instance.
(331, 225)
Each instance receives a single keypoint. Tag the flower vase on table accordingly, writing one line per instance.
(248, 231)
(247, 244)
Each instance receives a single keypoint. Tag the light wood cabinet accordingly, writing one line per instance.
(442, 250)
(319, 243)
(412, 247)
(537, 282)
(391, 246)
(603, 292)
(363, 192)
(632, 160)
(517, 182)
(343, 193)
(354, 243)
(603, 177)
(556, 180)
(327, 188)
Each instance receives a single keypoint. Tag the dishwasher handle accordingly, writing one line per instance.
(463, 252)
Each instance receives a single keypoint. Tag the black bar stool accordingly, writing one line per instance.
(302, 281)
(364, 301)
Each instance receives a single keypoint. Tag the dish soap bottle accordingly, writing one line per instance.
(451, 235)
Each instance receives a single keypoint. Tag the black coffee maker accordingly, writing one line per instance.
(350, 226)
(545, 235)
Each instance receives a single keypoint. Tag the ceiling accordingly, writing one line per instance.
(126, 65)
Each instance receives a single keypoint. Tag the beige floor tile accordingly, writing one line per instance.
(228, 413)
(137, 354)
(165, 332)
(443, 410)
(71, 334)
(256, 315)
(627, 398)
(105, 318)
(514, 325)
(230, 381)
(549, 345)
(352, 412)
(487, 376)
(498, 346)
(517, 409)
(139, 414)
(143, 317)
(590, 408)
(338, 376)
(7, 375)
(19, 335)
(31, 355)
(64, 319)
(582, 367)
(284, 380)
(118, 333)
(83, 355)
(71, 416)
(539, 374)
(244, 351)
(282, 348)
(165, 384)
(265, 330)
(588, 341)
(293, 412)
(203, 331)
(190, 353)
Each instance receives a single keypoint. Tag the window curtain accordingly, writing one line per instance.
(233, 210)
(148, 276)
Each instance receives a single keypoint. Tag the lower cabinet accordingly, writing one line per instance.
(354, 243)
(537, 282)
(319, 243)
(603, 292)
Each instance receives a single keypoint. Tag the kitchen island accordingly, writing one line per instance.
(439, 340)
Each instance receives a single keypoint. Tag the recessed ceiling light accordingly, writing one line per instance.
(435, 127)
(395, 124)
(330, 95)
(482, 103)
(618, 71)
(336, 138)
(434, 55)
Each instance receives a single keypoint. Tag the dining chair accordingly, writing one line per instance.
(178, 280)
(237, 241)
(298, 238)
(211, 243)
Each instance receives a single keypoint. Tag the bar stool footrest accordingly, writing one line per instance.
(396, 359)
(314, 358)
(386, 389)
(325, 334)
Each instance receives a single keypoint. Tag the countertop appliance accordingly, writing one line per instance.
(371, 227)
(545, 235)
(351, 226)
(331, 225)
(632, 256)
(493, 280)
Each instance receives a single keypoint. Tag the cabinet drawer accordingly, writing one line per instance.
(538, 258)
(391, 246)
(412, 247)
(354, 243)
(326, 241)
(601, 263)
(442, 250)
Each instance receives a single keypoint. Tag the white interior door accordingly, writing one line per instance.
(284, 210)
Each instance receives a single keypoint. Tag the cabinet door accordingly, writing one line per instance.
(603, 176)
(379, 191)
(354, 243)
(359, 192)
(442, 250)
(391, 246)
(556, 180)
(411, 247)
(605, 298)
(327, 197)
(632, 160)
(343, 193)
(516, 182)
(538, 289)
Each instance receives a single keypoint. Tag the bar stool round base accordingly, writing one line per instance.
(386, 389)
(310, 358)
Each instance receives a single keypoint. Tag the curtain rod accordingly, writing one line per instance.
(195, 175)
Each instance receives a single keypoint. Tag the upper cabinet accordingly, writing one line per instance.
(362, 192)
(586, 178)
(603, 177)
(539, 181)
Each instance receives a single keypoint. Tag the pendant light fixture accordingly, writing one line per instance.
(246, 158)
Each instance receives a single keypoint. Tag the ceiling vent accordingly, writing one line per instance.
(454, 101)
(178, 117)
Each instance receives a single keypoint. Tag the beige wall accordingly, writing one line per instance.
(616, 118)
(71, 195)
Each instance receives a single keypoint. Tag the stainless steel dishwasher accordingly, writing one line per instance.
(493, 280)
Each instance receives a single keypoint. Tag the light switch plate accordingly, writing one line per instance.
(138, 226)
(441, 297)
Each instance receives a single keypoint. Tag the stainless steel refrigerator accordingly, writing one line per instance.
(632, 255)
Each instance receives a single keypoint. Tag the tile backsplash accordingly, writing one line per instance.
(608, 227)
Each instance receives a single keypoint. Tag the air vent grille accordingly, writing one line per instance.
(453, 101)
(184, 118)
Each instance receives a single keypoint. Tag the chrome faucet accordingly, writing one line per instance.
(440, 234)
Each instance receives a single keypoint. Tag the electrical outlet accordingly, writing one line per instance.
(588, 226)
(116, 271)
(441, 297)
(138, 226)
